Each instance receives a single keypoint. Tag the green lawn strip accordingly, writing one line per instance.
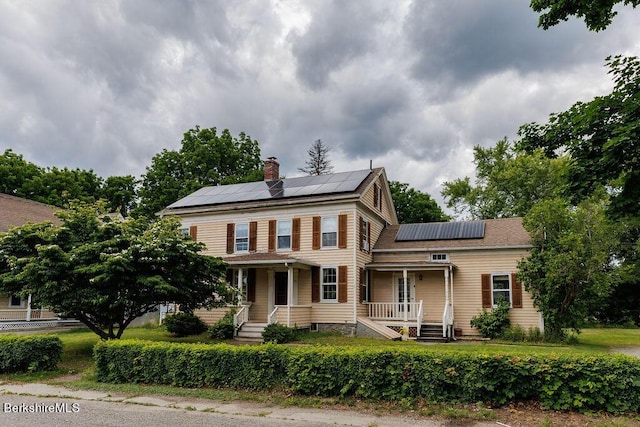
(601, 338)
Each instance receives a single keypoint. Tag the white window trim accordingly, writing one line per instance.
(366, 243)
(21, 305)
(322, 299)
(290, 221)
(244, 290)
(434, 254)
(493, 304)
(322, 232)
(235, 237)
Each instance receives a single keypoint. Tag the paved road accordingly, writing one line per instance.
(25, 405)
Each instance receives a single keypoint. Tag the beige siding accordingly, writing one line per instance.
(213, 315)
(367, 199)
(467, 294)
(259, 308)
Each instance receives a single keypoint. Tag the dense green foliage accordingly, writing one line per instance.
(205, 158)
(567, 382)
(602, 137)
(597, 14)
(278, 334)
(21, 353)
(184, 324)
(568, 270)
(223, 329)
(58, 187)
(492, 323)
(106, 272)
(508, 182)
(413, 206)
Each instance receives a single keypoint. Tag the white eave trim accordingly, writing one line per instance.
(450, 249)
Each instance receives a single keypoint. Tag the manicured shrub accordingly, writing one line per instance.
(490, 324)
(567, 382)
(278, 334)
(29, 353)
(184, 324)
(223, 329)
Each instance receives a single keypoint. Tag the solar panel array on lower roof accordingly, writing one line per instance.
(441, 231)
(264, 190)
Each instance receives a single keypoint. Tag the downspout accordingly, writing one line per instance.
(452, 307)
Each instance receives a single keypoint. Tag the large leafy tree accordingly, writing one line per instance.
(602, 138)
(105, 272)
(568, 270)
(508, 183)
(597, 14)
(205, 158)
(120, 193)
(14, 172)
(318, 162)
(413, 206)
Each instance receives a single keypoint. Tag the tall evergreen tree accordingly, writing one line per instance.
(318, 162)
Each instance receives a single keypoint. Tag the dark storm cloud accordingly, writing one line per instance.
(340, 31)
(459, 42)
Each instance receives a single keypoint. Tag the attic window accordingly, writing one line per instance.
(439, 257)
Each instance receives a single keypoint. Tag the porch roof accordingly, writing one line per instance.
(410, 266)
(265, 259)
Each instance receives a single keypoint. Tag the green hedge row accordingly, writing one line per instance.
(20, 353)
(577, 382)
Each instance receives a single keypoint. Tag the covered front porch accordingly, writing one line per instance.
(417, 295)
(272, 288)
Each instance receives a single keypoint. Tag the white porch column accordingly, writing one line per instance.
(406, 295)
(29, 308)
(446, 286)
(240, 279)
(289, 293)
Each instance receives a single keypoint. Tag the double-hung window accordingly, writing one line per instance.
(329, 231)
(242, 237)
(284, 235)
(16, 301)
(329, 284)
(365, 234)
(500, 288)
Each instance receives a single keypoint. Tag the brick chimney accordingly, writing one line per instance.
(271, 169)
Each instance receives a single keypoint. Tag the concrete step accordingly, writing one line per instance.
(252, 331)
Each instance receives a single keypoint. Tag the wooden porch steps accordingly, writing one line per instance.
(251, 331)
(431, 332)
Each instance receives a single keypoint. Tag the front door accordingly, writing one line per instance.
(281, 281)
(399, 291)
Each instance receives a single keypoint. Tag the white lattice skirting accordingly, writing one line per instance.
(9, 325)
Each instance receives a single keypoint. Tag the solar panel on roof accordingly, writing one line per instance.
(440, 231)
(265, 190)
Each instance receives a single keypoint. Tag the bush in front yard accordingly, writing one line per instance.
(492, 323)
(184, 324)
(223, 329)
(29, 353)
(278, 334)
(567, 382)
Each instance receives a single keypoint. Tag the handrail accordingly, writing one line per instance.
(447, 318)
(273, 316)
(419, 319)
(241, 317)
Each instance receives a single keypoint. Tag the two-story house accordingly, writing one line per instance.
(326, 252)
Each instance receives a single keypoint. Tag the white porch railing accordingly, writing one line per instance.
(21, 314)
(273, 316)
(447, 318)
(419, 319)
(241, 316)
(393, 310)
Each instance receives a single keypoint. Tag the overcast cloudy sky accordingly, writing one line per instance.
(412, 85)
